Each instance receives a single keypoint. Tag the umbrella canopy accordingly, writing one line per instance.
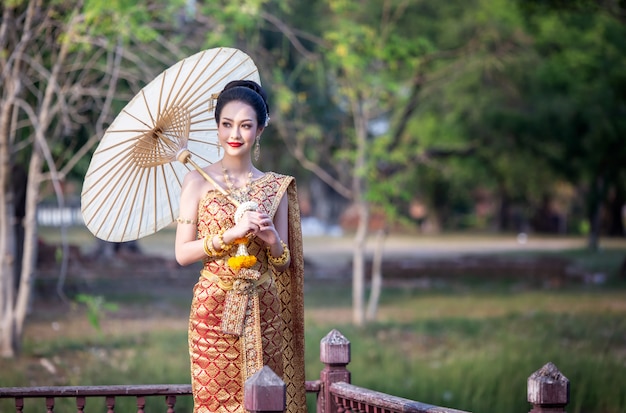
(133, 184)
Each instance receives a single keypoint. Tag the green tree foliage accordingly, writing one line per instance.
(571, 108)
(439, 144)
(524, 97)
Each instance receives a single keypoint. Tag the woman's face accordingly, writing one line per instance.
(238, 128)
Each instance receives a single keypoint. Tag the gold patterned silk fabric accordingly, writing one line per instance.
(273, 326)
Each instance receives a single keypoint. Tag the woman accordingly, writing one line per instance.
(247, 307)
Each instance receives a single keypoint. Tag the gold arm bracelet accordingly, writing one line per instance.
(279, 261)
(186, 221)
(223, 246)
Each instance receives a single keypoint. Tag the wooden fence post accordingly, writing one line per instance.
(335, 354)
(548, 390)
(265, 392)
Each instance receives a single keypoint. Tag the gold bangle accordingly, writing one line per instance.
(279, 261)
(208, 246)
(223, 246)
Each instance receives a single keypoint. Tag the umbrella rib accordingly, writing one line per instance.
(135, 183)
(143, 220)
(201, 103)
(145, 101)
(198, 75)
(147, 125)
(154, 191)
(208, 161)
(103, 150)
(179, 89)
(130, 167)
(125, 160)
(136, 178)
(197, 119)
(156, 188)
(211, 129)
(190, 102)
(201, 141)
(171, 89)
(178, 178)
(144, 172)
(167, 187)
(139, 131)
(161, 91)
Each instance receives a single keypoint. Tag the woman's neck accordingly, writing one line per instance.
(237, 167)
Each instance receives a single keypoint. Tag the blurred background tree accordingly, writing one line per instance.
(66, 68)
(405, 115)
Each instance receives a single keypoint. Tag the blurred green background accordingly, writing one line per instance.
(486, 138)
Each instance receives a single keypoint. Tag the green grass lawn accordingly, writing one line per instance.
(465, 344)
(475, 351)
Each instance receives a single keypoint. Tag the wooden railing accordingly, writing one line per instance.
(109, 393)
(548, 390)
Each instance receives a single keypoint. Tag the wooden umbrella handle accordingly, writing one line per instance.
(184, 156)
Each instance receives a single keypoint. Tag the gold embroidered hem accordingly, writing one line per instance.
(272, 332)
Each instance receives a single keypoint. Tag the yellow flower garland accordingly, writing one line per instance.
(241, 259)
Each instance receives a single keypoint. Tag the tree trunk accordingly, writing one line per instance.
(363, 211)
(358, 265)
(593, 241)
(7, 235)
(595, 212)
(615, 208)
(377, 275)
(7, 247)
(504, 211)
(29, 260)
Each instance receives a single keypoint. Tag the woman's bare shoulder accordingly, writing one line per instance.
(197, 181)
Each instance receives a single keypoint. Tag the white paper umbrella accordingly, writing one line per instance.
(133, 184)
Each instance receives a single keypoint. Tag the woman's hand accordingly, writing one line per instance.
(254, 223)
(270, 231)
(267, 231)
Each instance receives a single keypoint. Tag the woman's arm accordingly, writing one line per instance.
(187, 249)
(281, 224)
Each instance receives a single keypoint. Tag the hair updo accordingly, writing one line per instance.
(246, 91)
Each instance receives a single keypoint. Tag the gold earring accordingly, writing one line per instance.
(257, 149)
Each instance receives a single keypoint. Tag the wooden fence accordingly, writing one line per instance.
(548, 390)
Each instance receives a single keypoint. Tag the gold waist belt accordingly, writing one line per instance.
(240, 284)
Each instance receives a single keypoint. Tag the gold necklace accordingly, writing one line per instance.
(240, 194)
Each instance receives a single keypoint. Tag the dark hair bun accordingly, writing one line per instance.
(250, 84)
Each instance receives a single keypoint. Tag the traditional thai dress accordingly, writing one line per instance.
(240, 322)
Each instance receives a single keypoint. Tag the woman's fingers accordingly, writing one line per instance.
(262, 220)
(256, 222)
